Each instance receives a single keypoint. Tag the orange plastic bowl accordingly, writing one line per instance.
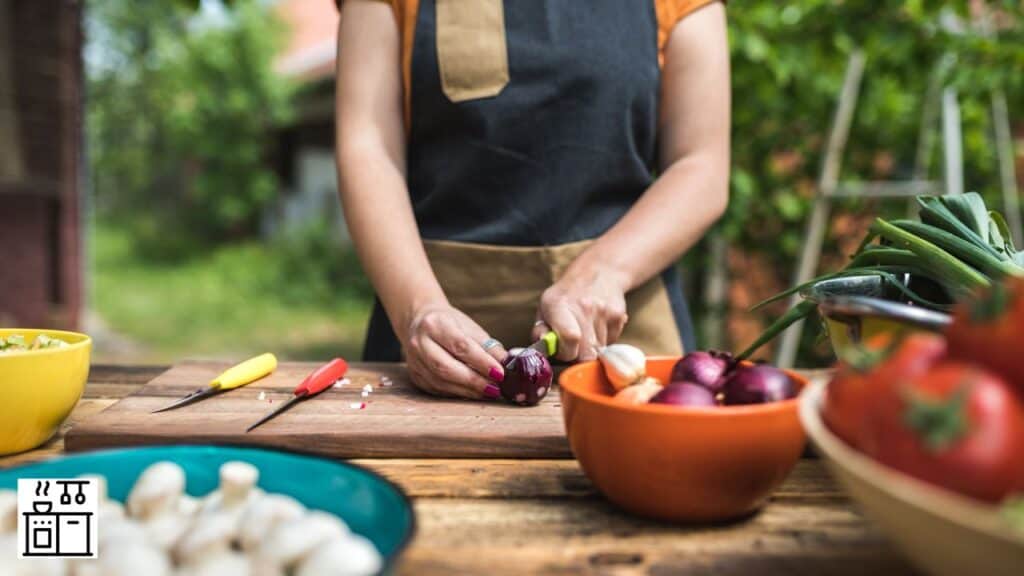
(674, 463)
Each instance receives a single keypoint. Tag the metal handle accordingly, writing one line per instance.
(857, 306)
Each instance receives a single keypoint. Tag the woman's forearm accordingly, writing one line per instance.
(370, 148)
(383, 229)
(671, 216)
(693, 131)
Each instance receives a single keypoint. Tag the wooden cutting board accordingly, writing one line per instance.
(397, 422)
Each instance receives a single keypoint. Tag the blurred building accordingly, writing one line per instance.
(305, 148)
(40, 163)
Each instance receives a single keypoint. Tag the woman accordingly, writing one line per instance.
(507, 168)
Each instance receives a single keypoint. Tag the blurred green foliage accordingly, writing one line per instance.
(788, 63)
(181, 108)
(236, 299)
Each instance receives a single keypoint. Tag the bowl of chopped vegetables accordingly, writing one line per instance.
(42, 375)
(857, 308)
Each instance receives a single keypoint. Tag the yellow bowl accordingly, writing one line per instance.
(942, 533)
(39, 388)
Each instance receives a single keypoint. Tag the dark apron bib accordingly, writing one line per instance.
(516, 161)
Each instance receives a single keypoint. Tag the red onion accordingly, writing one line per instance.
(527, 378)
(702, 368)
(684, 394)
(757, 384)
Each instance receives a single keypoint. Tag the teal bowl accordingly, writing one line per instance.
(371, 505)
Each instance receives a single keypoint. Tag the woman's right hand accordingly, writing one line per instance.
(445, 354)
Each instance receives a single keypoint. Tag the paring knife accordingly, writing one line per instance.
(237, 376)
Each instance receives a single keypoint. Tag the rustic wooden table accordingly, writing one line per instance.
(543, 516)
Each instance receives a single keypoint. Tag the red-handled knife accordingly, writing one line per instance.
(321, 379)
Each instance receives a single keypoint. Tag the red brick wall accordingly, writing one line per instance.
(40, 231)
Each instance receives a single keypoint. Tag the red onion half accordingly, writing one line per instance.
(757, 384)
(703, 368)
(527, 378)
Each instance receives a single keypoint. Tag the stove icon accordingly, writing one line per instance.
(61, 524)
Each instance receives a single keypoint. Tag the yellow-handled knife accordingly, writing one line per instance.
(238, 375)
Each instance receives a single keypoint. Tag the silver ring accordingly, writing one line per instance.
(539, 323)
(490, 343)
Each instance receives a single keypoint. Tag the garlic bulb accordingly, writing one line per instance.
(623, 364)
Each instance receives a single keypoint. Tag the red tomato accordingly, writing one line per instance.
(989, 330)
(957, 425)
(848, 396)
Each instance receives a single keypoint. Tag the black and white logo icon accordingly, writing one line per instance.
(57, 517)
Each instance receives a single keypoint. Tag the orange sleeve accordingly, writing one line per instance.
(669, 13)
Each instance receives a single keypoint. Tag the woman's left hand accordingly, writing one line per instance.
(586, 309)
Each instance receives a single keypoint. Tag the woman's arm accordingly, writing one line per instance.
(586, 307)
(441, 344)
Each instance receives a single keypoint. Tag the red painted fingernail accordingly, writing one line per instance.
(492, 392)
(496, 375)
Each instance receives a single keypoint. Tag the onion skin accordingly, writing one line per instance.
(527, 378)
(684, 394)
(757, 384)
(703, 368)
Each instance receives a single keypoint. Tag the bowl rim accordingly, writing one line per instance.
(84, 341)
(950, 506)
(700, 411)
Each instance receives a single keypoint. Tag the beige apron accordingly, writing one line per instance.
(500, 288)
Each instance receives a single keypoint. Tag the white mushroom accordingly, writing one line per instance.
(209, 535)
(166, 529)
(119, 532)
(237, 483)
(106, 508)
(263, 514)
(350, 555)
(289, 542)
(85, 567)
(157, 490)
(8, 511)
(11, 565)
(133, 560)
(237, 491)
(261, 568)
(187, 505)
(222, 564)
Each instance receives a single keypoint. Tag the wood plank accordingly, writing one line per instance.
(397, 422)
(563, 479)
(472, 536)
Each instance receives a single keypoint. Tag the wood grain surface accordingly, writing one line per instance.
(542, 516)
(397, 421)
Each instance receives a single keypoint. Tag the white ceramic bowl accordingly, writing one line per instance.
(942, 533)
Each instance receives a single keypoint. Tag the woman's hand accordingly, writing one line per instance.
(445, 354)
(587, 309)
